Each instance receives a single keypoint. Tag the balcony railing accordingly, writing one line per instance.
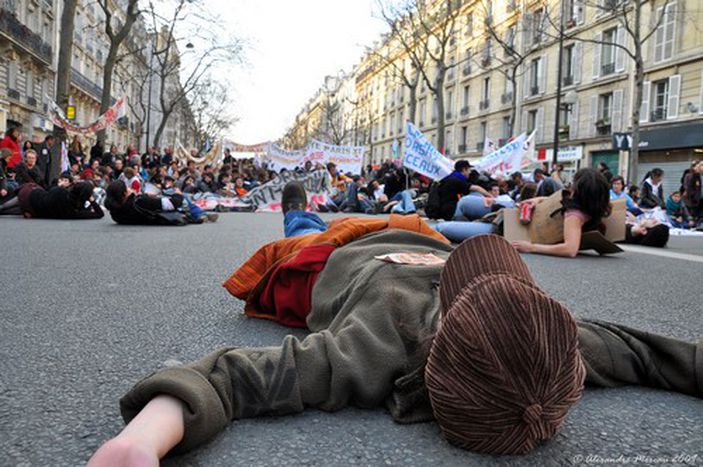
(534, 90)
(483, 105)
(486, 61)
(603, 127)
(10, 25)
(464, 111)
(479, 146)
(568, 80)
(466, 71)
(450, 76)
(434, 119)
(86, 85)
(462, 148)
(506, 98)
(658, 114)
(13, 94)
(608, 69)
(32, 102)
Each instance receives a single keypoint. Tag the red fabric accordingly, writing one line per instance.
(16, 157)
(288, 294)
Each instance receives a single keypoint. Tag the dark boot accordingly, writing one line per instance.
(294, 197)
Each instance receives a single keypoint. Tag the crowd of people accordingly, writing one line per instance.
(159, 188)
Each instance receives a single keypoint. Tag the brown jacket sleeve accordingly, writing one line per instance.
(616, 355)
(356, 365)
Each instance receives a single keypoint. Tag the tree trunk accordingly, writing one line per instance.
(162, 127)
(412, 103)
(106, 98)
(513, 109)
(439, 95)
(633, 157)
(63, 78)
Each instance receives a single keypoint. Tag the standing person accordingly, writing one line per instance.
(75, 152)
(652, 192)
(44, 158)
(693, 191)
(11, 141)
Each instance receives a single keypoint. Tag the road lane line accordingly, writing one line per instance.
(661, 252)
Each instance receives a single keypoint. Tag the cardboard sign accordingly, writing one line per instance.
(547, 226)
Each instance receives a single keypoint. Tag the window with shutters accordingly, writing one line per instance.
(568, 64)
(660, 100)
(534, 76)
(507, 128)
(665, 34)
(607, 55)
(485, 94)
(464, 139)
(605, 111)
(536, 27)
(531, 121)
(469, 24)
(509, 49)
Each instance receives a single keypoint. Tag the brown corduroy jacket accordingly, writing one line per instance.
(371, 321)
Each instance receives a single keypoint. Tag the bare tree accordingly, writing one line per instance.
(212, 110)
(116, 32)
(631, 43)
(179, 73)
(63, 81)
(135, 78)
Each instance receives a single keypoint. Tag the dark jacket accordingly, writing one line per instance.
(451, 188)
(141, 210)
(649, 198)
(25, 175)
(57, 203)
(692, 187)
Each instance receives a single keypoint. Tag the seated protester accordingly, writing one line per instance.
(678, 213)
(338, 182)
(117, 169)
(59, 202)
(652, 190)
(418, 339)
(225, 187)
(517, 179)
(548, 186)
(528, 191)
(131, 180)
(189, 187)
(454, 186)
(127, 207)
(168, 186)
(207, 183)
(28, 171)
(11, 142)
(357, 197)
(239, 186)
(65, 180)
(634, 192)
(585, 206)
(617, 191)
(393, 182)
(9, 204)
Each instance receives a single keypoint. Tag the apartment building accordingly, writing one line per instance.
(28, 42)
(503, 61)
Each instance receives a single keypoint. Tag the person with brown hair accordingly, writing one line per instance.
(487, 354)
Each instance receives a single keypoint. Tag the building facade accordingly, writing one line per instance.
(503, 59)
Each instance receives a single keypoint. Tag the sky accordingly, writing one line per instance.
(292, 46)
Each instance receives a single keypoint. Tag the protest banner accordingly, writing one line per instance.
(421, 155)
(279, 158)
(104, 121)
(267, 197)
(505, 160)
(348, 159)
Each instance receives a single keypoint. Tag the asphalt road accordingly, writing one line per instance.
(89, 307)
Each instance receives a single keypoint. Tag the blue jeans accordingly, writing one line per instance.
(296, 223)
(458, 231)
(471, 207)
(195, 211)
(406, 205)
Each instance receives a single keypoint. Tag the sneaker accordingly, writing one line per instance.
(212, 217)
(294, 197)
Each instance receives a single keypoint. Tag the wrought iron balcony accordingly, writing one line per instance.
(479, 146)
(568, 80)
(86, 85)
(658, 114)
(464, 111)
(466, 71)
(448, 115)
(13, 94)
(462, 148)
(534, 90)
(434, 119)
(483, 105)
(31, 101)
(11, 26)
(608, 69)
(506, 98)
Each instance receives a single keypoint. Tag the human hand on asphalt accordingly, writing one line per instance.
(3, 192)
